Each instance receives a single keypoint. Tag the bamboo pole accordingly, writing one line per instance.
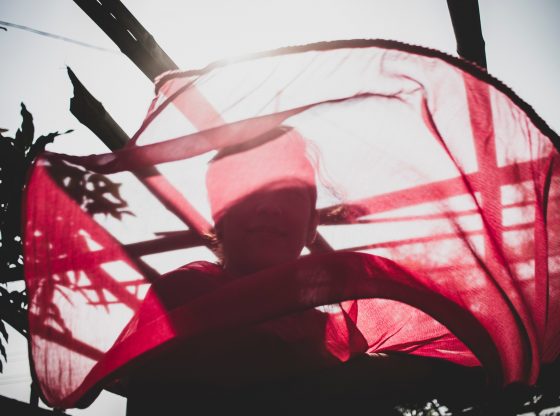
(129, 35)
(91, 113)
(465, 17)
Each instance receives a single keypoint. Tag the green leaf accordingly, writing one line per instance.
(3, 330)
(39, 145)
(2, 348)
(19, 298)
(24, 135)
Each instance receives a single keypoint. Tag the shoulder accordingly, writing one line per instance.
(195, 268)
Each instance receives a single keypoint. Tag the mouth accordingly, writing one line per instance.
(266, 229)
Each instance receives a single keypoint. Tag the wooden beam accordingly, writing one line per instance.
(129, 35)
(139, 45)
(93, 115)
(465, 17)
(11, 406)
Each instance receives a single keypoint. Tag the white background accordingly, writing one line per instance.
(521, 47)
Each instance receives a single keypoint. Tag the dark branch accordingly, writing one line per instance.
(93, 115)
(465, 17)
(13, 315)
(129, 35)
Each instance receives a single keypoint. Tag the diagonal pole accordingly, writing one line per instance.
(129, 35)
(93, 115)
(140, 46)
(465, 17)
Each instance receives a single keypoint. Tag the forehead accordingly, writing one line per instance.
(288, 184)
(292, 197)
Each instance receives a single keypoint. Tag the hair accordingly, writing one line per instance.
(314, 156)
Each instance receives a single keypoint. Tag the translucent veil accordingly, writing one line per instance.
(438, 213)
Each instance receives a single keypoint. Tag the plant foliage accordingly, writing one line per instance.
(16, 156)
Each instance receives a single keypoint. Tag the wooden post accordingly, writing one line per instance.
(129, 35)
(465, 17)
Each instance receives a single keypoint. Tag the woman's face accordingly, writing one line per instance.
(267, 228)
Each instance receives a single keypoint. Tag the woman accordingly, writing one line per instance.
(263, 203)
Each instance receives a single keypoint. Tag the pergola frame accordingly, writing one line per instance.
(143, 50)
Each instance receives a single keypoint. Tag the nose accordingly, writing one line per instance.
(271, 208)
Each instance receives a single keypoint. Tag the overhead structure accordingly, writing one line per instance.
(465, 17)
(143, 50)
(129, 35)
(91, 113)
(420, 169)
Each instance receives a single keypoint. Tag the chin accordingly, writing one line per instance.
(271, 260)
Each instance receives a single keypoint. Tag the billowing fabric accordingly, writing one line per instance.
(437, 194)
(281, 160)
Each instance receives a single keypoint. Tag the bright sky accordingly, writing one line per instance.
(521, 47)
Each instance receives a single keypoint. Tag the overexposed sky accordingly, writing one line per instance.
(521, 46)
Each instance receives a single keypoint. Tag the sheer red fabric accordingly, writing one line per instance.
(437, 200)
